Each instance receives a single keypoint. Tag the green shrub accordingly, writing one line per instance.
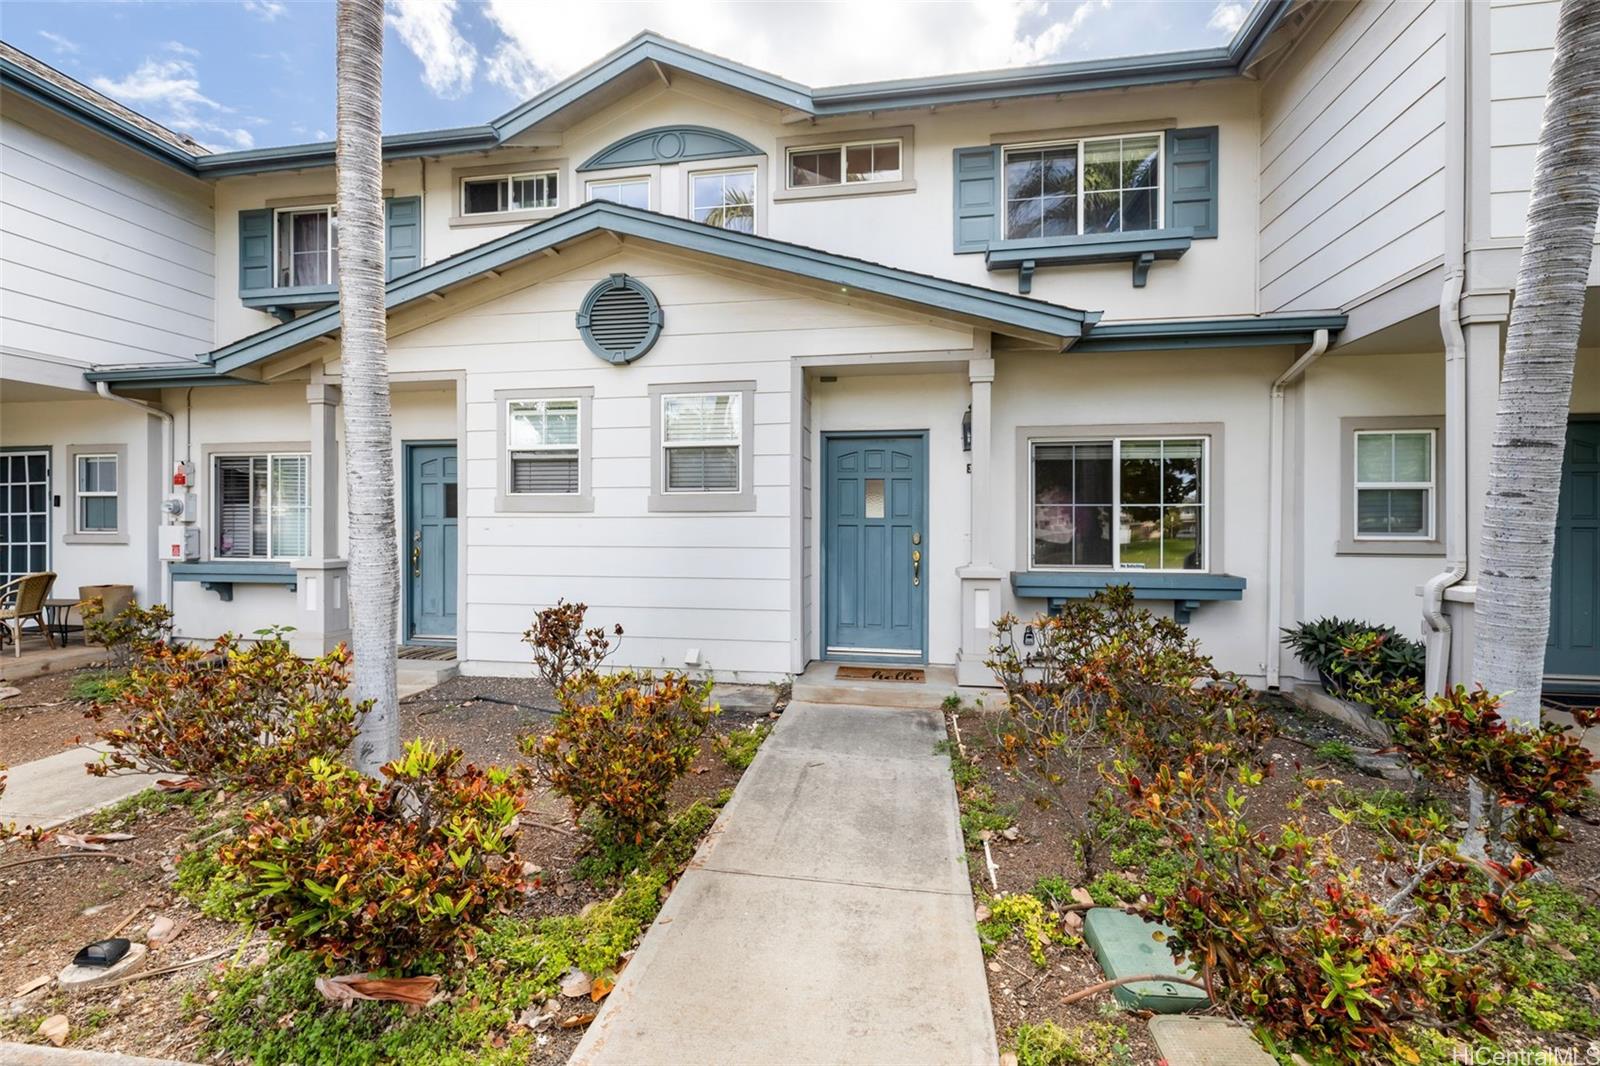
(738, 749)
(563, 650)
(1337, 752)
(1022, 913)
(132, 632)
(1085, 1044)
(96, 686)
(1340, 648)
(1110, 889)
(383, 875)
(1556, 964)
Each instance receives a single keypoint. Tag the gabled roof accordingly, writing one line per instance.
(650, 53)
(1005, 312)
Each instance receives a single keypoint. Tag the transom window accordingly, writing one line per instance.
(1123, 504)
(725, 199)
(700, 442)
(629, 192)
(1394, 484)
(1096, 185)
(508, 192)
(97, 493)
(542, 439)
(263, 506)
(853, 163)
(307, 246)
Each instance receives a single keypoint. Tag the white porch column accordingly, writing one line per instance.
(323, 587)
(980, 581)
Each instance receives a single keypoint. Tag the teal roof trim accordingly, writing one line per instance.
(166, 376)
(70, 105)
(1065, 324)
(1240, 331)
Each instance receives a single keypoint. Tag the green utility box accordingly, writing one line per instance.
(1127, 947)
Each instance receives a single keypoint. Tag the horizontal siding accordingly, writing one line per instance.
(1352, 155)
(101, 265)
(1521, 49)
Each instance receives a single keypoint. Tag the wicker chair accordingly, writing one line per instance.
(23, 599)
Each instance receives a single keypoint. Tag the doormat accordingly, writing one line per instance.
(432, 652)
(880, 673)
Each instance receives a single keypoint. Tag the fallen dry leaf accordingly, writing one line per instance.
(160, 931)
(73, 840)
(1081, 896)
(185, 784)
(577, 1021)
(576, 983)
(54, 1029)
(413, 991)
(601, 988)
(32, 986)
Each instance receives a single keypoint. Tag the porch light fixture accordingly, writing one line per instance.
(966, 429)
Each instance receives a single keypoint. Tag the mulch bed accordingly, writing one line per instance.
(49, 909)
(42, 719)
(1020, 992)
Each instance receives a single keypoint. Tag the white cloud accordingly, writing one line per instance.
(812, 43)
(1228, 16)
(62, 46)
(428, 28)
(181, 49)
(168, 90)
(270, 10)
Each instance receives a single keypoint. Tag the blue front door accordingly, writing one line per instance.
(431, 541)
(875, 547)
(1574, 645)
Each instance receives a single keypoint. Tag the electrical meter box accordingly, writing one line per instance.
(179, 543)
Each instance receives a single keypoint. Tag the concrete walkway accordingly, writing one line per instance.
(47, 792)
(827, 919)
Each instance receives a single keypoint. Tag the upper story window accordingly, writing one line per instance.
(542, 438)
(1394, 484)
(307, 246)
(1126, 503)
(724, 198)
(629, 192)
(853, 163)
(263, 506)
(1094, 185)
(500, 193)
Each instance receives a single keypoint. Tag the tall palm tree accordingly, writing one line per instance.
(1518, 547)
(369, 453)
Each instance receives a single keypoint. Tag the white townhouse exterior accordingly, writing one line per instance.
(772, 374)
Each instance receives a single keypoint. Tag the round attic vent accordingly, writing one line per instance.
(620, 319)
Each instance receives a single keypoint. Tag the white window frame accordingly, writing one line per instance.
(576, 449)
(844, 181)
(1430, 487)
(692, 176)
(1078, 145)
(736, 442)
(625, 179)
(508, 180)
(216, 504)
(332, 211)
(1117, 505)
(80, 493)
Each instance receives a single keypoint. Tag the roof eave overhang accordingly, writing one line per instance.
(69, 105)
(1234, 331)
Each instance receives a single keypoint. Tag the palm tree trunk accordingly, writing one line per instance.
(1518, 547)
(369, 452)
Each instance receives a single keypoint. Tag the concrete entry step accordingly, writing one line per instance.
(821, 683)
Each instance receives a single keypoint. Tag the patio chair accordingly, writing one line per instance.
(23, 599)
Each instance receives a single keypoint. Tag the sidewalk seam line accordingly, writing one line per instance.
(832, 881)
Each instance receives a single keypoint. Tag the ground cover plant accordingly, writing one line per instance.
(1341, 649)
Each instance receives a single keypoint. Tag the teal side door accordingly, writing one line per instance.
(875, 547)
(431, 505)
(1574, 646)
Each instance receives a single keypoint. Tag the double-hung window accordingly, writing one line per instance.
(724, 198)
(1095, 185)
(1125, 503)
(542, 440)
(855, 163)
(1394, 484)
(307, 246)
(97, 493)
(629, 192)
(508, 192)
(263, 506)
(700, 442)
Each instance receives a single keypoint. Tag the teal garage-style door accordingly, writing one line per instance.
(875, 547)
(1574, 645)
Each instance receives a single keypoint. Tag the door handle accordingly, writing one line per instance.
(916, 567)
(416, 555)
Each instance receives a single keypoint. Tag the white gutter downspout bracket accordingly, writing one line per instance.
(1276, 491)
(167, 445)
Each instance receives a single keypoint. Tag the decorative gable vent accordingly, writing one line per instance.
(620, 319)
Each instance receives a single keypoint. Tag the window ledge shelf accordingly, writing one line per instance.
(283, 303)
(1186, 591)
(220, 577)
(1141, 248)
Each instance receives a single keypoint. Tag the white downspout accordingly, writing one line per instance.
(1436, 625)
(1275, 496)
(167, 446)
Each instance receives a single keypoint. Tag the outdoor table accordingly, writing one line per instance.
(56, 611)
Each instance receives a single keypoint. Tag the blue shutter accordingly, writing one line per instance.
(977, 197)
(255, 249)
(1192, 179)
(403, 240)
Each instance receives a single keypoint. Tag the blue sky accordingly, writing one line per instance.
(255, 73)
